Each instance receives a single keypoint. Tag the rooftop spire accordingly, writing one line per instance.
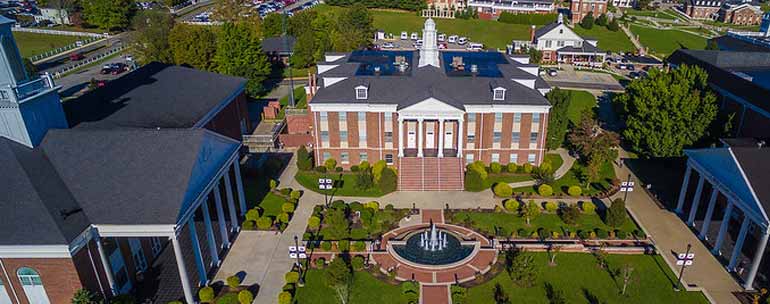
(429, 50)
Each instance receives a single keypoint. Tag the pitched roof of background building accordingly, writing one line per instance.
(278, 45)
(154, 96)
(728, 43)
(545, 29)
(754, 162)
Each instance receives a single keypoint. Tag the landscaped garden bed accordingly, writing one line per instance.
(231, 293)
(333, 228)
(274, 211)
(362, 180)
(605, 185)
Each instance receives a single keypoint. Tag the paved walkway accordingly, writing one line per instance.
(436, 294)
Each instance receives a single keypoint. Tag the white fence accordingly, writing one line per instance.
(59, 73)
(57, 32)
(63, 49)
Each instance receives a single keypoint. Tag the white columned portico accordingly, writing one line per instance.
(239, 187)
(441, 137)
(106, 265)
(695, 201)
(723, 228)
(197, 254)
(460, 141)
(419, 137)
(709, 213)
(739, 243)
(210, 234)
(231, 204)
(186, 288)
(400, 136)
(221, 216)
(758, 254)
(683, 191)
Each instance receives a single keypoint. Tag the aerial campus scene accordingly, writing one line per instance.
(399, 151)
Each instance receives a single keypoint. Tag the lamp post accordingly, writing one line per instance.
(683, 259)
(301, 281)
(325, 184)
(627, 187)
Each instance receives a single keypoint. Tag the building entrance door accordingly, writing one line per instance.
(448, 136)
(411, 141)
(430, 138)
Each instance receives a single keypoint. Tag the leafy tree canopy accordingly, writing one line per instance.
(150, 37)
(558, 121)
(193, 45)
(239, 53)
(108, 14)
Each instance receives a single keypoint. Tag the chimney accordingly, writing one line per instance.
(532, 34)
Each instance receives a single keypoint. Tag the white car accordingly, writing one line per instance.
(388, 45)
(404, 35)
(475, 46)
(414, 36)
(441, 37)
(452, 39)
(462, 41)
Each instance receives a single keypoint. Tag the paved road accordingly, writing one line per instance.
(78, 80)
(62, 60)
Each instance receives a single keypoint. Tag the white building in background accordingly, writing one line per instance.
(55, 15)
(624, 3)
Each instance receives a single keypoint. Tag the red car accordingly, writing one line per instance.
(76, 56)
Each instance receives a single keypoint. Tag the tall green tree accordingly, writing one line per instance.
(338, 276)
(667, 111)
(150, 38)
(602, 20)
(272, 25)
(193, 45)
(588, 21)
(304, 50)
(239, 53)
(558, 121)
(354, 29)
(616, 213)
(108, 14)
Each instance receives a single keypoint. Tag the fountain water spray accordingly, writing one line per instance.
(432, 239)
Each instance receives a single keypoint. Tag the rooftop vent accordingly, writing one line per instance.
(377, 70)
(474, 68)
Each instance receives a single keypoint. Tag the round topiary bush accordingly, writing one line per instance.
(295, 195)
(511, 205)
(284, 298)
(359, 246)
(252, 214)
(314, 222)
(326, 246)
(245, 297)
(527, 168)
(502, 190)
(588, 207)
(263, 223)
(206, 294)
(287, 207)
(495, 167)
(574, 191)
(291, 277)
(290, 287)
(338, 169)
(320, 263)
(357, 262)
(551, 206)
(233, 281)
(283, 218)
(343, 245)
(228, 298)
(545, 190)
(249, 225)
(512, 168)
(374, 205)
(285, 191)
(320, 169)
(522, 233)
(602, 234)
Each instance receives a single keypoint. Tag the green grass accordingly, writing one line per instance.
(300, 99)
(581, 281)
(345, 184)
(665, 42)
(656, 14)
(31, 44)
(506, 223)
(579, 102)
(271, 205)
(494, 178)
(365, 288)
(608, 40)
(606, 173)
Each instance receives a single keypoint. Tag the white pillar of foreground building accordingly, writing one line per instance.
(188, 293)
(239, 187)
(400, 137)
(739, 243)
(221, 216)
(210, 234)
(460, 138)
(695, 201)
(106, 265)
(440, 137)
(683, 191)
(419, 137)
(723, 228)
(709, 213)
(758, 254)
(197, 255)
(231, 204)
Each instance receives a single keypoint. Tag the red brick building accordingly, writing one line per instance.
(428, 108)
(740, 14)
(702, 9)
(581, 8)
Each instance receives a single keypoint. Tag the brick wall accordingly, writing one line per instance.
(581, 8)
(58, 275)
(228, 121)
(742, 16)
(88, 266)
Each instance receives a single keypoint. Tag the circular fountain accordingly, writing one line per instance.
(433, 247)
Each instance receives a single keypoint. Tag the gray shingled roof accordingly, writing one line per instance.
(585, 48)
(545, 29)
(428, 82)
(754, 163)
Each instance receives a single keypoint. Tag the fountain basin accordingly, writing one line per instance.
(412, 250)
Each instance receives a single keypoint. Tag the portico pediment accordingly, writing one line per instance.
(431, 106)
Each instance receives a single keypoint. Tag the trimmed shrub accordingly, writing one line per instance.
(512, 167)
(283, 218)
(320, 169)
(338, 169)
(273, 184)
(583, 234)
(377, 169)
(357, 262)
(287, 207)
(326, 246)
(495, 167)
(252, 214)
(358, 233)
(551, 206)
(544, 233)
(502, 190)
(291, 277)
(354, 168)
(616, 214)
(473, 181)
(388, 180)
(588, 21)
(206, 294)
(249, 225)
(498, 209)
(613, 26)
(569, 214)
(356, 206)
(522, 232)
(304, 159)
(330, 164)
(364, 165)
(245, 297)
(290, 287)
(314, 222)
(574, 191)
(620, 234)
(511, 205)
(343, 245)
(263, 223)
(373, 205)
(233, 281)
(228, 298)
(285, 191)
(295, 195)
(602, 20)
(320, 263)
(545, 190)
(359, 246)
(527, 168)
(602, 234)
(284, 298)
(588, 207)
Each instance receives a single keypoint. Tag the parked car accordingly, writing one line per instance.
(552, 72)
(475, 46)
(404, 35)
(634, 75)
(452, 39)
(441, 37)
(106, 69)
(442, 46)
(76, 56)
(118, 68)
(462, 41)
(414, 36)
(388, 45)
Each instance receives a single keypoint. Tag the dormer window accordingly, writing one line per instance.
(362, 92)
(499, 94)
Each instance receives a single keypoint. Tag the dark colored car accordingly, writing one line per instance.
(118, 68)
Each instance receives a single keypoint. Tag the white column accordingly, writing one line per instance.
(460, 138)
(723, 228)
(419, 137)
(440, 137)
(221, 216)
(239, 187)
(188, 293)
(749, 285)
(210, 233)
(231, 203)
(739, 243)
(695, 201)
(106, 265)
(196, 247)
(709, 213)
(683, 191)
(400, 137)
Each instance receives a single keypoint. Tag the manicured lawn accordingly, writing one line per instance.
(364, 289)
(491, 33)
(665, 42)
(656, 14)
(608, 40)
(494, 178)
(581, 281)
(503, 224)
(607, 173)
(580, 101)
(271, 204)
(344, 184)
(32, 43)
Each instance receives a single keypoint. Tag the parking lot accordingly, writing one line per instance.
(412, 41)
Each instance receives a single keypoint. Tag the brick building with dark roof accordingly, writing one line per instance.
(133, 187)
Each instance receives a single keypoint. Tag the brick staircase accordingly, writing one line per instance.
(430, 174)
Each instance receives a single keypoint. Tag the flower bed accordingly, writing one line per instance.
(345, 222)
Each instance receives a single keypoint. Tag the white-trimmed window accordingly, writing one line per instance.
(498, 117)
(471, 138)
(472, 118)
(514, 158)
(496, 136)
(362, 92)
(533, 137)
(499, 94)
(515, 137)
(343, 116)
(324, 136)
(345, 157)
(389, 159)
(32, 285)
(343, 136)
(516, 117)
(388, 137)
(469, 158)
(536, 118)
(495, 157)
(363, 156)
(531, 158)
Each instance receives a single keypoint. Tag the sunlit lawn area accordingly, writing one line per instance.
(580, 101)
(271, 204)
(344, 184)
(649, 13)
(608, 40)
(606, 173)
(665, 42)
(580, 280)
(31, 44)
(503, 224)
(364, 289)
